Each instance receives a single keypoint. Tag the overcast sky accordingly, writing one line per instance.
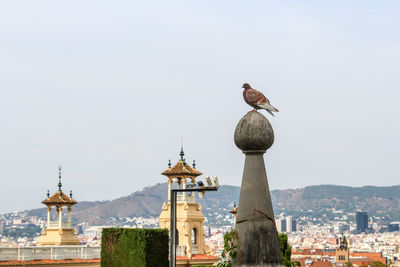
(107, 89)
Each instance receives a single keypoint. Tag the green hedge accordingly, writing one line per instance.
(123, 247)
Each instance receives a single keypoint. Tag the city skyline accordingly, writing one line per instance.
(110, 95)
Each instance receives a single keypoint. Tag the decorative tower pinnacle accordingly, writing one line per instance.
(234, 211)
(182, 154)
(59, 179)
(189, 218)
(58, 232)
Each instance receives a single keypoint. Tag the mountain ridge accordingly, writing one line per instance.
(377, 200)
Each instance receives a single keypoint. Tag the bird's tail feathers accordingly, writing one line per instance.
(270, 112)
(268, 107)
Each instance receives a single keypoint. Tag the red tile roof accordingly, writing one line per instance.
(375, 256)
(302, 262)
(361, 261)
(59, 198)
(321, 264)
(308, 251)
(359, 258)
(181, 170)
(197, 257)
(47, 262)
(314, 263)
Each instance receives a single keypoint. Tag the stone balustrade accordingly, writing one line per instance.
(56, 224)
(180, 250)
(188, 198)
(49, 252)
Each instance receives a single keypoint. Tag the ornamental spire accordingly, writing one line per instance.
(59, 179)
(182, 154)
(181, 169)
(182, 158)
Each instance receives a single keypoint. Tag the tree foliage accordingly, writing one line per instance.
(29, 232)
(286, 251)
(122, 247)
(231, 249)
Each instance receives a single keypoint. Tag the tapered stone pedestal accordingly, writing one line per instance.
(258, 237)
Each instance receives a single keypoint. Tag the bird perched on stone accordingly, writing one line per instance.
(257, 100)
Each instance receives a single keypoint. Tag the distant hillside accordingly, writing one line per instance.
(378, 201)
(312, 200)
(146, 202)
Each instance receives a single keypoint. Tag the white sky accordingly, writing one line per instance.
(107, 89)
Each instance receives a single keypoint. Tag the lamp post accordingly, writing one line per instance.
(190, 188)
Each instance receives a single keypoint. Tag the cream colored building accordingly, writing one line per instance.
(58, 244)
(59, 232)
(191, 248)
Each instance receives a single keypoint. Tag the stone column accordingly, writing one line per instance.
(48, 215)
(255, 224)
(169, 189)
(59, 217)
(193, 180)
(184, 187)
(69, 214)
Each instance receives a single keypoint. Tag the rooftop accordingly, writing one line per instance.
(181, 169)
(48, 262)
(59, 198)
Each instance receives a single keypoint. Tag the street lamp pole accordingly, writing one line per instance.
(172, 248)
(173, 218)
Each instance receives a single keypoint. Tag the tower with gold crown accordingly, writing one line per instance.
(191, 248)
(58, 232)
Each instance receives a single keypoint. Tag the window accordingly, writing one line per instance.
(194, 236)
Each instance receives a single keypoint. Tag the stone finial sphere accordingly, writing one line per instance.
(254, 132)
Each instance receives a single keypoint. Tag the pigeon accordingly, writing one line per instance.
(257, 100)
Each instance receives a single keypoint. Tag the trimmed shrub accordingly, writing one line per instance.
(123, 247)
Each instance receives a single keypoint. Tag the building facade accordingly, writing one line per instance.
(58, 232)
(286, 224)
(362, 221)
(191, 248)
